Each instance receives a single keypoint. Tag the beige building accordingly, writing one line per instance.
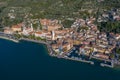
(17, 27)
(8, 31)
(53, 27)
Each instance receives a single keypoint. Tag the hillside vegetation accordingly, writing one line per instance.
(65, 10)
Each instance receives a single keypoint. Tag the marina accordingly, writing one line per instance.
(51, 51)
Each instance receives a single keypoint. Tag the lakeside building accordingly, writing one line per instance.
(50, 25)
(92, 41)
(17, 27)
(8, 30)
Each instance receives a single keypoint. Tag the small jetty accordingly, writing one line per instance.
(106, 65)
(80, 60)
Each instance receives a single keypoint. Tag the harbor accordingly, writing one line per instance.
(71, 56)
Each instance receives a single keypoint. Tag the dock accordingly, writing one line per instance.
(78, 59)
(106, 65)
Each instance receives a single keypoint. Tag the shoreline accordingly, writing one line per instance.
(13, 40)
(51, 51)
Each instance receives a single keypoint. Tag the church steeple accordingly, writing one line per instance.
(53, 35)
(31, 27)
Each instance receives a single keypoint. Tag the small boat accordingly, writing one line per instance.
(92, 63)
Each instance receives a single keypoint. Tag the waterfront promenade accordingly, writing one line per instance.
(8, 37)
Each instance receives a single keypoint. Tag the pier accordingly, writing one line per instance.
(106, 65)
(80, 60)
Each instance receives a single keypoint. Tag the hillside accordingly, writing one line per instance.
(59, 9)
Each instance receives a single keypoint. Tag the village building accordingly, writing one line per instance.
(17, 27)
(8, 30)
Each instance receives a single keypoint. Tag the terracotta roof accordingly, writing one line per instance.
(38, 32)
(17, 26)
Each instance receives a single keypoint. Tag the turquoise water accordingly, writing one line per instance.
(30, 61)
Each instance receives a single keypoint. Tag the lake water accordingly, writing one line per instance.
(30, 61)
